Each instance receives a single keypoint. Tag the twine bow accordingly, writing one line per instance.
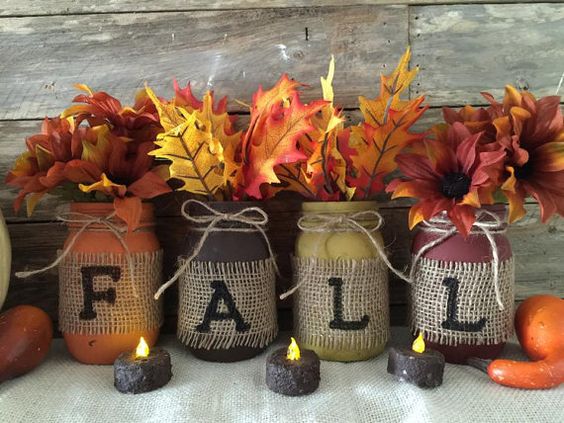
(254, 217)
(444, 227)
(344, 223)
(86, 221)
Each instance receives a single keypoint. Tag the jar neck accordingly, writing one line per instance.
(227, 208)
(492, 218)
(82, 212)
(337, 215)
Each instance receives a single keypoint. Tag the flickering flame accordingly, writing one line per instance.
(419, 344)
(142, 348)
(293, 351)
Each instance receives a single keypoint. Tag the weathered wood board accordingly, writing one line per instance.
(465, 49)
(229, 51)
(67, 7)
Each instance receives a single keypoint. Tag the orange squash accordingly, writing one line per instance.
(539, 324)
(25, 337)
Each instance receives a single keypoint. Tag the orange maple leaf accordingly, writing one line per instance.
(373, 145)
(272, 139)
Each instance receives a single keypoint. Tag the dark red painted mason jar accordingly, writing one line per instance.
(456, 301)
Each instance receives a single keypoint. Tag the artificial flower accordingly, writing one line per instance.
(99, 149)
(449, 178)
(532, 133)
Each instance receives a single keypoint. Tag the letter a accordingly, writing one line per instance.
(222, 293)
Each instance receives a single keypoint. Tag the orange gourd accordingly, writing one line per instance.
(539, 324)
(25, 337)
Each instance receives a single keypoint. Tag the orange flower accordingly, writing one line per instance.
(138, 123)
(108, 156)
(447, 176)
(532, 133)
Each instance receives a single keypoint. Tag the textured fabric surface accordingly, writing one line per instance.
(251, 285)
(124, 304)
(362, 293)
(473, 299)
(62, 390)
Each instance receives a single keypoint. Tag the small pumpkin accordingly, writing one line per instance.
(539, 324)
(25, 337)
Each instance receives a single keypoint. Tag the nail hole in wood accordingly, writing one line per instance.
(307, 33)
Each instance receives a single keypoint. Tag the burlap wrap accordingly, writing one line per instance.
(364, 292)
(134, 308)
(475, 300)
(252, 286)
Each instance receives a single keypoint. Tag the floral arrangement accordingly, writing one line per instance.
(211, 159)
(341, 162)
(96, 150)
(505, 152)
(288, 145)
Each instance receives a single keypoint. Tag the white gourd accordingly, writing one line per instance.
(5, 259)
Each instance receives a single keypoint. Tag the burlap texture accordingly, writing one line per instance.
(134, 308)
(476, 300)
(364, 292)
(252, 285)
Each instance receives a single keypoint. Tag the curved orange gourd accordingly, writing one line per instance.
(539, 324)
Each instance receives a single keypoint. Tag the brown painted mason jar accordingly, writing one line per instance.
(227, 299)
(455, 302)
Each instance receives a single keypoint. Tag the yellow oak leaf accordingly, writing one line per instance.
(194, 161)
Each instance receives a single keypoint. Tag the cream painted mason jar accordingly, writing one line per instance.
(341, 306)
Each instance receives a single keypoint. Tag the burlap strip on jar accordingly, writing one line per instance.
(362, 294)
(251, 286)
(98, 295)
(455, 302)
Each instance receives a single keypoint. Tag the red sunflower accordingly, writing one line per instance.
(449, 176)
(532, 133)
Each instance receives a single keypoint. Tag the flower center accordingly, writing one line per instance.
(455, 185)
(525, 171)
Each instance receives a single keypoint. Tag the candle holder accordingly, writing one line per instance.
(418, 366)
(143, 370)
(293, 372)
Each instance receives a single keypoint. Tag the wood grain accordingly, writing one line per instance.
(229, 51)
(67, 7)
(465, 49)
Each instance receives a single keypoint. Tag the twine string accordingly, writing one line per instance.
(487, 223)
(86, 221)
(324, 223)
(254, 217)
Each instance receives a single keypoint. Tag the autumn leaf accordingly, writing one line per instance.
(200, 142)
(375, 111)
(273, 141)
(322, 175)
(374, 144)
(194, 161)
(263, 102)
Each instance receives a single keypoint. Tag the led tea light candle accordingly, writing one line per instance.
(418, 366)
(143, 370)
(292, 372)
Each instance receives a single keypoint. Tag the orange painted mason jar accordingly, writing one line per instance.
(107, 280)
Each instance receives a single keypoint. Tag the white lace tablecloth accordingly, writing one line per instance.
(62, 390)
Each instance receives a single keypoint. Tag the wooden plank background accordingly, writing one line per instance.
(231, 46)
